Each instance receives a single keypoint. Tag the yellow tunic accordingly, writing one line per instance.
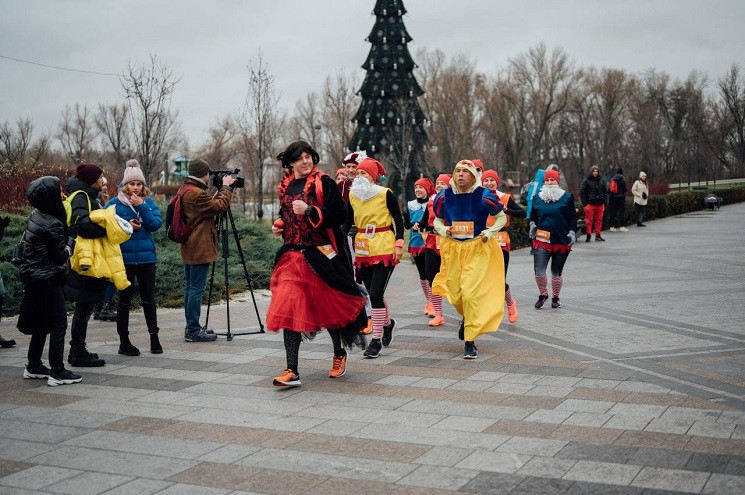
(370, 245)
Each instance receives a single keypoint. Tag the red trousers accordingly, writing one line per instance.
(594, 214)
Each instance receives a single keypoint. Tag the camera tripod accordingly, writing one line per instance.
(225, 222)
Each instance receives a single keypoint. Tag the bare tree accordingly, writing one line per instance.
(309, 121)
(260, 124)
(112, 124)
(148, 89)
(15, 142)
(729, 115)
(76, 131)
(223, 145)
(340, 101)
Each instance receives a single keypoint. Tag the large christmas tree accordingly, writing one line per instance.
(390, 122)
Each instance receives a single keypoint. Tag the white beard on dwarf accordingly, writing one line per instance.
(551, 193)
(363, 189)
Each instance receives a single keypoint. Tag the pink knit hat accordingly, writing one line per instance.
(133, 172)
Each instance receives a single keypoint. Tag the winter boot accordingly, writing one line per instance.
(126, 347)
(5, 343)
(97, 311)
(155, 347)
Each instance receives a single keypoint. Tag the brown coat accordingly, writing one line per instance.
(201, 209)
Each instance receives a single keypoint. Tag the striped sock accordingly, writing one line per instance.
(556, 283)
(427, 291)
(437, 304)
(387, 313)
(508, 296)
(378, 320)
(542, 281)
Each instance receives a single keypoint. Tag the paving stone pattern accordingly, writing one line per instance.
(634, 386)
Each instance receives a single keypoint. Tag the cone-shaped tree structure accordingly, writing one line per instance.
(390, 122)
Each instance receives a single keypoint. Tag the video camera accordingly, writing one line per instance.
(217, 176)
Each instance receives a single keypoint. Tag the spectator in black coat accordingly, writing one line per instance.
(617, 203)
(4, 343)
(593, 193)
(42, 269)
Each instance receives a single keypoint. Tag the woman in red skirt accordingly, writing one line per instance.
(312, 283)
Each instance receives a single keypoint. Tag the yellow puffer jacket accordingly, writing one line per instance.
(102, 257)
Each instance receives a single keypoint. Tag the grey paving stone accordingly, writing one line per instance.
(88, 483)
(597, 383)
(184, 489)
(128, 464)
(643, 410)
(474, 410)
(739, 433)
(61, 417)
(228, 454)
(708, 429)
(443, 456)
(660, 458)
(487, 376)
(140, 486)
(671, 479)
(37, 432)
(329, 465)
(428, 436)
(581, 405)
(602, 472)
(493, 484)
(20, 450)
(732, 417)
(337, 428)
(725, 484)
(622, 422)
(554, 416)
(500, 462)
(549, 391)
(691, 414)
(547, 467)
(608, 453)
(558, 381)
(532, 446)
(587, 419)
(585, 488)
(257, 405)
(254, 420)
(712, 463)
(37, 477)
(464, 423)
(545, 486)
(434, 382)
(675, 426)
(129, 408)
(442, 477)
(178, 448)
(510, 388)
(736, 465)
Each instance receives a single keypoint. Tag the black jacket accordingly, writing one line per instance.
(78, 287)
(622, 188)
(593, 191)
(45, 252)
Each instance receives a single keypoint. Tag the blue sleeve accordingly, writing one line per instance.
(490, 201)
(150, 214)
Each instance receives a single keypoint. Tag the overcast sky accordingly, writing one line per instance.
(209, 43)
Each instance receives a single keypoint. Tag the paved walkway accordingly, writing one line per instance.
(636, 385)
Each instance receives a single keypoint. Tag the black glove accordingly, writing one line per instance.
(644, 195)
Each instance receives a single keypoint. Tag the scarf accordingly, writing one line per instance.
(124, 199)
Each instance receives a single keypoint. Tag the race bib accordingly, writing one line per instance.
(503, 238)
(361, 245)
(543, 236)
(438, 242)
(327, 250)
(462, 230)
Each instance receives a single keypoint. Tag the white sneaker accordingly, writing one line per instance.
(623, 229)
(613, 229)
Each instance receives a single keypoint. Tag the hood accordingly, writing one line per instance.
(592, 169)
(539, 175)
(44, 194)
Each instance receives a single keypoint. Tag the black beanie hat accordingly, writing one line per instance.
(619, 171)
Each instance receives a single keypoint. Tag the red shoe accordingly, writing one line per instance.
(339, 366)
(287, 379)
(436, 321)
(429, 310)
(512, 314)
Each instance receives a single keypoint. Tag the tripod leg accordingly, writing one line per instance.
(225, 255)
(209, 298)
(245, 270)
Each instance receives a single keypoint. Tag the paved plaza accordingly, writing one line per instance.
(636, 385)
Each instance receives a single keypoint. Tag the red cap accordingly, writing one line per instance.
(444, 178)
(372, 167)
(478, 164)
(427, 185)
(490, 173)
(551, 174)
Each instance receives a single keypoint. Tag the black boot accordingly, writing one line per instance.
(126, 347)
(97, 311)
(83, 359)
(108, 313)
(5, 343)
(155, 346)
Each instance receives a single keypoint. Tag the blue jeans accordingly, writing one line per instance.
(195, 283)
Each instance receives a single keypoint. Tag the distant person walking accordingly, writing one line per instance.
(617, 202)
(641, 193)
(414, 220)
(593, 194)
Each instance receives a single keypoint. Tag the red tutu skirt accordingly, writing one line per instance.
(302, 302)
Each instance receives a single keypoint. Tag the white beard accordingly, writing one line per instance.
(363, 189)
(551, 194)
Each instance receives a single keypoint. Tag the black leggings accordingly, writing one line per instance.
(145, 276)
(420, 262)
(375, 278)
(541, 258)
(292, 347)
(506, 255)
(432, 262)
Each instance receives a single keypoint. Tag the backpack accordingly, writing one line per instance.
(613, 186)
(177, 229)
(67, 204)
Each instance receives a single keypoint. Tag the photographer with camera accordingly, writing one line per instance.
(200, 249)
